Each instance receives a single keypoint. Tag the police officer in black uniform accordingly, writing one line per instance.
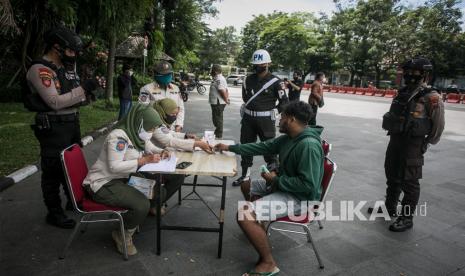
(55, 93)
(260, 92)
(415, 119)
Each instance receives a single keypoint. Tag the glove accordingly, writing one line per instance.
(90, 85)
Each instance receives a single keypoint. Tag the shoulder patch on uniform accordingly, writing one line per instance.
(165, 130)
(121, 145)
(46, 76)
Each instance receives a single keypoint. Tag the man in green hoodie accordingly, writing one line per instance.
(299, 178)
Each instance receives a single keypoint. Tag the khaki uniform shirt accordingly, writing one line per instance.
(218, 83)
(44, 81)
(431, 106)
(172, 92)
(163, 137)
(117, 159)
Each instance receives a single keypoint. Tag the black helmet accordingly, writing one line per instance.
(64, 37)
(162, 68)
(418, 63)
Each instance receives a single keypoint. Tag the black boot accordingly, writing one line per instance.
(401, 224)
(239, 181)
(59, 219)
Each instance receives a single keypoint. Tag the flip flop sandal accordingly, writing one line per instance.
(271, 273)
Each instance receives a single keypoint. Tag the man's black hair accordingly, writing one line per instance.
(216, 68)
(300, 110)
(319, 75)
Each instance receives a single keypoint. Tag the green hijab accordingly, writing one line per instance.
(164, 107)
(131, 123)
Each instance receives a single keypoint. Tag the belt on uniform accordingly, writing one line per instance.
(63, 118)
(258, 113)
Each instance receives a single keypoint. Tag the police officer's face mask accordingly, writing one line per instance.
(260, 69)
(412, 79)
(68, 58)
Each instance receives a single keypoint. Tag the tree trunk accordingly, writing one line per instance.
(378, 76)
(352, 75)
(110, 68)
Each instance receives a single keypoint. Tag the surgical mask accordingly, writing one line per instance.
(170, 119)
(163, 79)
(259, 69)
(131, 73)
(144, 135)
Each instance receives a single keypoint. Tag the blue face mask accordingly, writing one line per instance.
(163, 79)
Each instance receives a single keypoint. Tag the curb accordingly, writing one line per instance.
(25, 172)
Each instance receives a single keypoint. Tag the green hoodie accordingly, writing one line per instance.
(300, 158)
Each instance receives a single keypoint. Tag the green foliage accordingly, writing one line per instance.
(220, 46)
(20, 147)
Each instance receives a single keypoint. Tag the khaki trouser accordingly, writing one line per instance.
(118, 193)
(217, 118)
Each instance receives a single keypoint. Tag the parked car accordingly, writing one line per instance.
(235, 79)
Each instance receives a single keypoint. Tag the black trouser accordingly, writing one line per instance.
(63, 132)
(312, 121)
(403, 168)
(294, 96)
(217, 118)
(264, 128)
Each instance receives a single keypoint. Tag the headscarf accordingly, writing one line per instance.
(165, 107)
(139, 116)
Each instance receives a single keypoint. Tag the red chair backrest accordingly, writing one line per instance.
(326, 147)
(328, 175)
(75, 167)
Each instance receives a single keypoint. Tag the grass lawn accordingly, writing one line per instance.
(19, 146)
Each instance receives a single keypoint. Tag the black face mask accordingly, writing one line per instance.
(411, 79)
(170, 119)
(259, 69)
(296, 78)
(68, 62)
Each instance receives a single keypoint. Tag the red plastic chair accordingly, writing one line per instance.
(75, 168)
(326, 147)
(329, 171)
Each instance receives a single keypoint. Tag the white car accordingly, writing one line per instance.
(235, 79)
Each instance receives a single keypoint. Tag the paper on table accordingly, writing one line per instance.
(166, 165)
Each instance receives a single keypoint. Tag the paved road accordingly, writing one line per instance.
(436, 245)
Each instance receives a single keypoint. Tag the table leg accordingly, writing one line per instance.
(221, 220)
(158, 203)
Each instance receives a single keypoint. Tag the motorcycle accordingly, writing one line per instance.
(196, 85)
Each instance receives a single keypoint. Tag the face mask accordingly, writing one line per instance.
(259, 69)
(163, 79)
(411, 79)
(69, 62)
(296, 78)
(170, 119)
(144, 135)
(131, 73)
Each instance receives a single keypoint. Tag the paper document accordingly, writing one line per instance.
(144, 185)
(165, 165)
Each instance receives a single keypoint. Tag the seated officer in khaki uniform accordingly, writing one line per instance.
(125, 149)
(163, 137)
(162, 88)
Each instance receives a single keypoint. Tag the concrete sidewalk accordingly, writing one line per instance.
(435, 246)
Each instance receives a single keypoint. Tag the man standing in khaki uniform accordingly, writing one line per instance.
(218, 99)
(163, 88)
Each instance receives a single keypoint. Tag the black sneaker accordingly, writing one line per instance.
(401, 224)
(391, 213)
(239, 181)
(60, 220)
